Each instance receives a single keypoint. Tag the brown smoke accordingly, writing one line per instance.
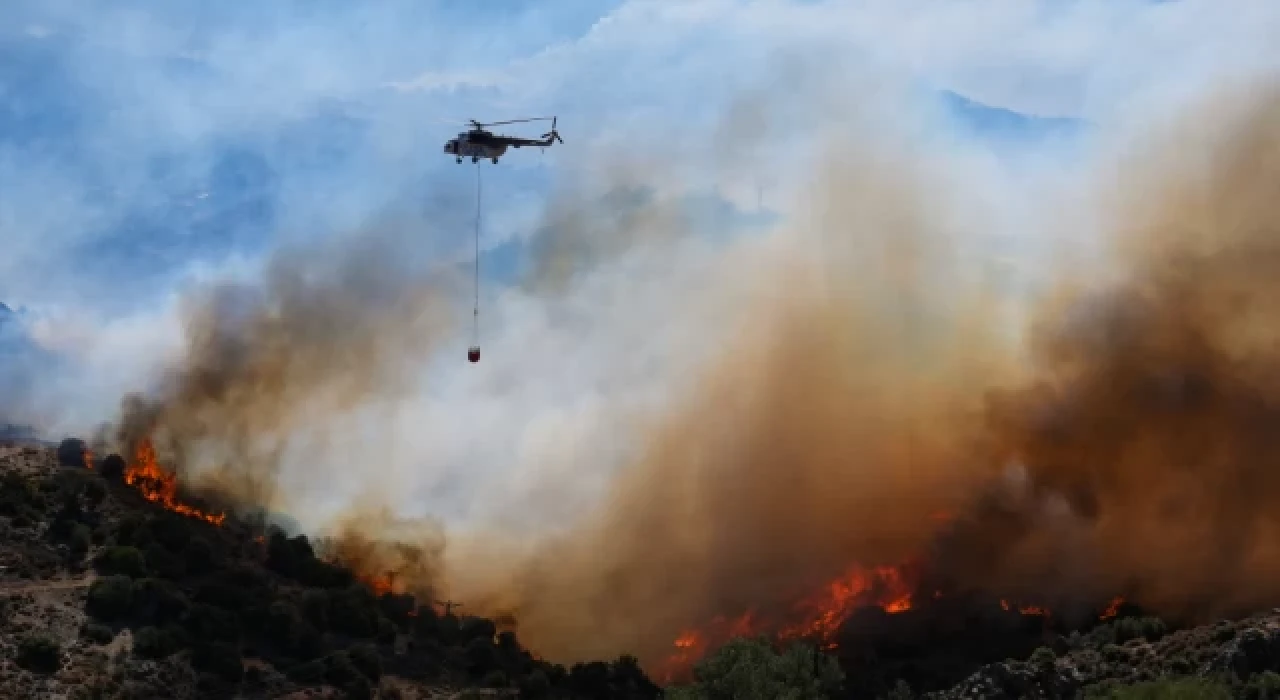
(329, 328)
(1155, 403)
(863, 380)
(871, 389)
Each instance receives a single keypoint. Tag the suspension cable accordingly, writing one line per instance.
(475, 314)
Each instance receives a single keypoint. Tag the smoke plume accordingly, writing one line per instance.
(830, 388)
(282, 364)
(873, 386)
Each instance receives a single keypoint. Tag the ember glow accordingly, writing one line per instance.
(379, 584)
(159, 485)
(1033, 610)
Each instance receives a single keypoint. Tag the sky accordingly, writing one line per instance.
(147, 146)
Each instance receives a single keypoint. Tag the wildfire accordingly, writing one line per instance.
(821, 616)
(884, 586)
(158, 485)
(379, 584)
(1034, 610)
(88, 458)
(1113, 608)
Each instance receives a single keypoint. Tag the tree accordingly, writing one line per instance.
(751, 669)
(127, 561)
(112, 467)
(110, 598)
(71, 453)
(39, 654)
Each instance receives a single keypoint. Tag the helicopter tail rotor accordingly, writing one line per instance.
(553, 134)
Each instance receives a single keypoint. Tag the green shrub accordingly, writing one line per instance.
(353, 611)
(1043, 658)
(1263, 686)
(95, 492)
(535, 685)
(1148, 628)
(80, 540)
(315, 608)
(342, 673)
(901, 691)
(366, 659)
(280, 623)
(209, 624)
(71, 453)
(97, 633)
(162, 562)
(60, 527)
(308, 642)
(218, 658)
(172, 530)
(222, 595)
(157, 601)
(496, 678)
(112, 467)
(752, 668)
(154, 643)
(1224, 632)
(126, 561)
(39, 654)
(110, 598)
(481, 657)
(198, 556)
(307, 673)
(477, 628)
(1180, 689)
(397, 608)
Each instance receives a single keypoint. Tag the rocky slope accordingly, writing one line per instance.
(1138, 657)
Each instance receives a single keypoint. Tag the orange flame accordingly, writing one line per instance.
(88, 458)
(158, 485)
(1113, 608)
(821, 615)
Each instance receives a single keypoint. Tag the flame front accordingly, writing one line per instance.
(158, 485)
(821, 616)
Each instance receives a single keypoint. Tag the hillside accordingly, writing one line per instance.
(1134, 658)
(109, 595)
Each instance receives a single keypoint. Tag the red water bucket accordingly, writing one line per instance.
(473, 353)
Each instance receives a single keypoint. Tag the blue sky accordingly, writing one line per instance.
(151, 136)
(145, 144)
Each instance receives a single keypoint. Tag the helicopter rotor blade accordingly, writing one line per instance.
(518, 121)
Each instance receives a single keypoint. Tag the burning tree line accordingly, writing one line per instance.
(819, 618)
(185, 577)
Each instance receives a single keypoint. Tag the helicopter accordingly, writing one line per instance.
(480, 143)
